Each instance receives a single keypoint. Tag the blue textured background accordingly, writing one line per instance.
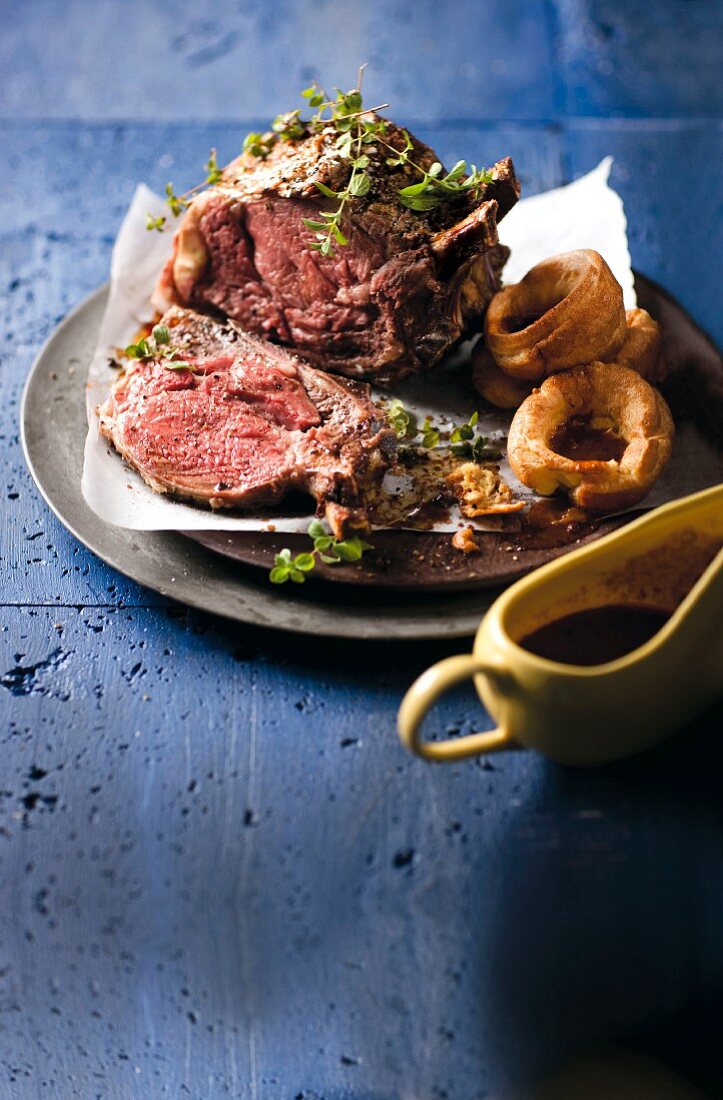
(220, 874)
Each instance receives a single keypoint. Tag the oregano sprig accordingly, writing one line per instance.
(467, 443)
(464, 441)
(434, 188)
(157, 346)
(399, 418)
(327, 548)
(259, 145)
(356, 126)
(430, 434)
(354, 130)
(405, 425)
(178, 203)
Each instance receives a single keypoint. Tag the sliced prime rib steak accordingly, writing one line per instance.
(406, 287)
(246, 424)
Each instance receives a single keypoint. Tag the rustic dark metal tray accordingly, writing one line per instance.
(408, 593)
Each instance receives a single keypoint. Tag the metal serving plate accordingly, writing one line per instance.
(232, 584)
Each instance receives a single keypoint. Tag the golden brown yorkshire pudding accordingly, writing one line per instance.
(643, 346)
(493, 384)
(567, 310)
(601, 432)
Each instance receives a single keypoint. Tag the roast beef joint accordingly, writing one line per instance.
(406, 287)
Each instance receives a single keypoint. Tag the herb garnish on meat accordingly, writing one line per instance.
(359, 133)
(157, 346)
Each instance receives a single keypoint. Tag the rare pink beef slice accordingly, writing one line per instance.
(247, 424)
(405, 289)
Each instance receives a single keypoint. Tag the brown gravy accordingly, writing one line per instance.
(597, 634)
(577, 440)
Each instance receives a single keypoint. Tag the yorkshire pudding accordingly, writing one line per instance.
(567, 310)
(493, 384)
(601, 432)
(643, 346)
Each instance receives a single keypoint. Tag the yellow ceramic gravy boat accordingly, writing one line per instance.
(670, 558)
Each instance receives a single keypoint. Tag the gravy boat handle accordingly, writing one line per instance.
(425, 692)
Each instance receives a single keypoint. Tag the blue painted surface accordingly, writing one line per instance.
(221, 875)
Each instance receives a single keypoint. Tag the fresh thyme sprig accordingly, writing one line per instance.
(259, 145)
(405, 425)
(434, 188)
(356, 127)
(354, 131)
(328, 549)
(400, 419)
(289, 126)
(430, 434)
(464, 441)
(178, 203)
(467, 443)
(157, 346)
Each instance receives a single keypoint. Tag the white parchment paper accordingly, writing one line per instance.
(584, 214)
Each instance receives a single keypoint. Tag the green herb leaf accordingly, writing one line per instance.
(176, 203)
(398, 417)
(304, 562)
(314, 95)
(465, 432)
(401, 156)
(435, 188)
(359, 185)
(311, 224)
(259, 145)
(141, 350)
(289, 126)
(357, 129)
(420, 203)
(213, 172)
(483, 450)
(279, 574)
(413, 190)
(466, 443)
(326, 190)
(155, 223)
(456, 173)
(161, 334)
(351, 549)
(430, 435)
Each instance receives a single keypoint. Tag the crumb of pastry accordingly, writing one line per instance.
(481, 491)
(465, 541)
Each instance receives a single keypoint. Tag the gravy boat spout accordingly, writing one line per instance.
(669, 560)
